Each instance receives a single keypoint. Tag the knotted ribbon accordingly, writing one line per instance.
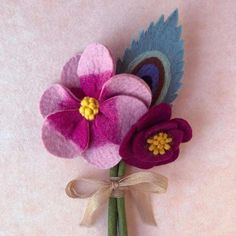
(139, 184)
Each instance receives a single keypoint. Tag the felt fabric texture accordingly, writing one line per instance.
(126, 84)
(155, 74)
(36, 40)
(151, 75)
(57, 143)
(57, 98)
(72, 126)
(96, 60)
(69, 76)
(119, 107)
(160, 44)
(127, 109)
(134, 150)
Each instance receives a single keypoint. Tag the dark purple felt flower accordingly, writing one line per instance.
(154, 140)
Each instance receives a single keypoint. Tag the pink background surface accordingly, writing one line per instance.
(38, 37)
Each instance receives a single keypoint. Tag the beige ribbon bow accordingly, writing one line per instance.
(139, 184)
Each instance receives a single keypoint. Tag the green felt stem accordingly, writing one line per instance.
(114, 171)
(112, 208)
(121, 206)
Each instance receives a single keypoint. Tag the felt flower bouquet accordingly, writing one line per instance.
(116, 117)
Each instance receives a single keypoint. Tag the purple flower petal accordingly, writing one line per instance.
(104, 157)
(120, 113)
(140, 147)
(143, 158)
(155, 115)
(177, 137)
(95, 67)
(126, 84)
(185, 127)
(57, 144)
(78, 93)
(165, 126)
(101, 152)
(95, 59)
(65, 134)
(92, 84)
(134, 147)
(69, 76)
(156, 161)
(57, 98)
(139, 163)
(126, 150)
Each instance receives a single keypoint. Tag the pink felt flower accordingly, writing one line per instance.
(90, 113)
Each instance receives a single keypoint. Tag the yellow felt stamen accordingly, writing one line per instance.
(89, 108)
(151, 148)
(159, 143)
(150, 141)
(169, 140)
(155, 152)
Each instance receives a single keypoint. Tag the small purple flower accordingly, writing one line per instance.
(90, 113)
(155, 139)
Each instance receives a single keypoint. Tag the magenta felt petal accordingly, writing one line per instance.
(92, 84)
(142, 152)
(156, 161)
(69, 125)
(139, 147)
(57, 144)
(96, 59)
(127, 84)
(78, 93)
(185, 127)
(144, 155)
(121, 113)
(101, 152)
(155, 115)
(126, 146)
(139, 163)
(177, 136)
(106, 126)
(57, 98)
(162, 127)
(134, 148)
(69, 77)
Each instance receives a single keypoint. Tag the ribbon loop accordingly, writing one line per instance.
(140, 184)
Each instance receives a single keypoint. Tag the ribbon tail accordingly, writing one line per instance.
(144, 206)
(95, 202)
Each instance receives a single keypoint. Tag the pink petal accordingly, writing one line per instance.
(101, 152)
(95, 60)
(57, 98)
(104, 157)
(69, 75)
(126, 84)
(120, 113)
(95, 68)
(65, 134)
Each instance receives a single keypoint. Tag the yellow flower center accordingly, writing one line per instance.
(89, 108)
(159, 143)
